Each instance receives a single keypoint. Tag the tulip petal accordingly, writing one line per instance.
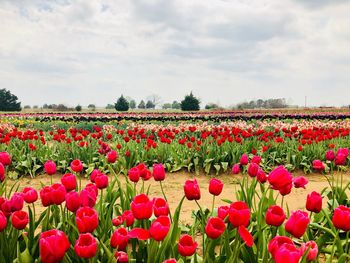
(246, 236)
(139, 233)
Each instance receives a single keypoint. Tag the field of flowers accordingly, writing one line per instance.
(114, 217)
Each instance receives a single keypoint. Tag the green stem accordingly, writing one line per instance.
(202, 225)
(101, 207)
(282, 201)
(212, 205)
(79, 182)
(63, 217)
(161, 187)
(347, 243)
(48, 217)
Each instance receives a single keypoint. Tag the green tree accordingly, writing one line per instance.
(122, 104)
(78, 108)
(166, 106)
(132, 104)
(8, 101)
(211, 106)
(176, 105)
(150, 105)
(141, 105)
(92, 107)
(190, 103)
(110, 106)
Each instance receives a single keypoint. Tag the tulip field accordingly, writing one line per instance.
(207, 187)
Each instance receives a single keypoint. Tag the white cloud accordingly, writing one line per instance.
(229, 51)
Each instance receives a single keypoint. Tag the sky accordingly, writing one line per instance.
(224, 51)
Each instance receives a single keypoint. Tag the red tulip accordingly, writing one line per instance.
(244, 159)
(341, 218)
(72, 201)
(69, 181)
(5, 158)
(30, 195)
(330, 155)
(215, 187)
(256, 159)
(192, 191)
(119, 239)
(121, 257)
(343, 151)
(58, 193)
(160, 228)
(112, 156)
(261, 176)
(134, 174)
(223, 211)
(239, 214)
(186, 246)
(280, 179)
(85, 246)
(253, 169)
(276, 242)
(313, 250)
(170, 260)
(300, 182)
(314, 202)
(297, 223)
(215, 227)
(318, 165)
(287, 253)
(275, 216)
(141, 207)
(88, 197)
(3, 221)
(2, 172)
(19, 219)
(46, 196)
(158, 172)
(50, 167)
(117, 221)
(160, 207)
(93, 174)
(341, 156)
(53, 245)
(16, 202)
(86, 220)
(101, 181)
(128, 217)
(246, 236)
(236, 168)
(76, 165)
(139, 233)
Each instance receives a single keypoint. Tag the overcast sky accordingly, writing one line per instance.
(226, 51)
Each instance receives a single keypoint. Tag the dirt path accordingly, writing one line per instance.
(173, 187)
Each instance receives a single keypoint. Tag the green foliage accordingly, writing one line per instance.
(132, 104)
(141, 105)
(176, 105)
(211, 106)
(166, 106)
(190, 103)
(8, 101)
(109, 106)
(122, 104)
(150, 105)
(78, 108)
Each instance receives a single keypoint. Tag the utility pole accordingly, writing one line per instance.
(305, 101)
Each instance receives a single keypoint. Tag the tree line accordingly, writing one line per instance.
(9, 102)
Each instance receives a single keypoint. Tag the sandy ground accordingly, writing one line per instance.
(173, 187)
